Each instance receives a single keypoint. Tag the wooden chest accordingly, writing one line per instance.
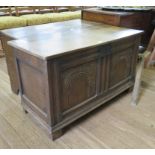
(63, 77)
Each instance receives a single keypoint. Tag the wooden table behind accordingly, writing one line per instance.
(140, 20)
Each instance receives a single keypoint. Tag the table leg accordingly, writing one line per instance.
(1, 50)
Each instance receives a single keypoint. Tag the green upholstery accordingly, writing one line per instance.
(57, 17)
(73, 15)
(7, 22)
(35, 19)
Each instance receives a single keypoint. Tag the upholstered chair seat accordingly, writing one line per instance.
(35, 19)
(57, 17)
(7, 22)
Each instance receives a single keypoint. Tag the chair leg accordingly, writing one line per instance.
(151, 61)
(137, 85)
(1, 50)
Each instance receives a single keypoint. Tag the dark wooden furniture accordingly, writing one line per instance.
(63, 77)
(140, 19)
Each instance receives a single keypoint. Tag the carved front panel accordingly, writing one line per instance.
(120, 66)
(78, 84)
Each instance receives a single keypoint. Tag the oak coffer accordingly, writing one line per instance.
(68, 74)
